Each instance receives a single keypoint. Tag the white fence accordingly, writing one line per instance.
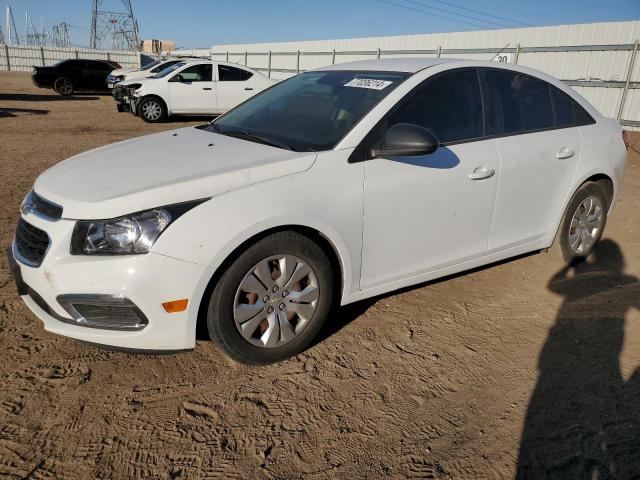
(599, 60)
(24, 58)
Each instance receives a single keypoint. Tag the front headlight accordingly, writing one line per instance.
(127, 235)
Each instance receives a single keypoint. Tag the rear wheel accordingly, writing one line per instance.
(583, 223)
(64, 86)
(152, 110)
(272, 301)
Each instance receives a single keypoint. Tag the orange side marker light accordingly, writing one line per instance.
(176, 305)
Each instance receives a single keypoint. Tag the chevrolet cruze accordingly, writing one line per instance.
(333, 186)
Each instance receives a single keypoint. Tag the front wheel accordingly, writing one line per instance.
(152, 110)
(64, 86)
(273, 299)
(583, 223)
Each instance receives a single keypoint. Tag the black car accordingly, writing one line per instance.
(70, 76)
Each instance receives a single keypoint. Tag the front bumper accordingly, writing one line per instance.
(146, 281)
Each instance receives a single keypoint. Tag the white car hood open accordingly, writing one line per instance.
(162, 169)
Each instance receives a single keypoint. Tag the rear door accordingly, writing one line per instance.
(234, 86)
(539, 149)
(191, 90)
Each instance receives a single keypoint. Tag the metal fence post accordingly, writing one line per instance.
(333, 57)
(6, 53)
(42, 55)
(269, 65)
(515, 57)
(227, 56)
(439, 50)
(379, 52)
(246, 56)
(632, 61)
(298, 62)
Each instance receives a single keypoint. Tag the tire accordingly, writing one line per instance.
(582, 224)
(263, 341)
(152, 110)
(64, 86)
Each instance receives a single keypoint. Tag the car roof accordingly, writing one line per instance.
(410, 65)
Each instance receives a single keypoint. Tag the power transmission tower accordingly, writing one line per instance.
(31, 37)
(1, 36)
(61, 36)
(121, 28)
(45, 36)
(12, 32)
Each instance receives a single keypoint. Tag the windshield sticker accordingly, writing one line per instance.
(368, 83)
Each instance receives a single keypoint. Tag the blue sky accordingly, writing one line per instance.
(202, 23)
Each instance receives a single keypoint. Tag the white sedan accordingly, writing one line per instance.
(148, 70)
(336, 185)
(190, 87)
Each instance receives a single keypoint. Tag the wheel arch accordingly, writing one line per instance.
(600, 178)
(327, 246)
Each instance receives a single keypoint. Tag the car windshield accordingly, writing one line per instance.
(311, 111)
(166, 71)
(150, 65)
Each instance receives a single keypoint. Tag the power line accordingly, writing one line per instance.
(482, 13)
(434, 14)
(458, 14)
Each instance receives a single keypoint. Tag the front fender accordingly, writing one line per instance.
(326, 198)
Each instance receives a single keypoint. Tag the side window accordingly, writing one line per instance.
(562, 108)
(518, 103)
(450, 105)
(231, 74)
(197, 73)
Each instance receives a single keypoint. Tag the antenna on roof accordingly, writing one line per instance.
(505, 47)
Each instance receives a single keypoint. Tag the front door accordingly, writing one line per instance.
(422, 214)
(192, 90)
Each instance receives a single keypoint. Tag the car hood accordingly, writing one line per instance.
(162, 169)
(122, 71)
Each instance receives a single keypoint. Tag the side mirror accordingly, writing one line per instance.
(177, 78)
(407, 140)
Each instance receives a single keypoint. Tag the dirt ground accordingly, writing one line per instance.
(520, 369)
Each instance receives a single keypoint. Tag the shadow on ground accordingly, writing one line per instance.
(28, 97)
(18, 112)
(583, 419)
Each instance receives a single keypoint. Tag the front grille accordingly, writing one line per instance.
(45, 207)
(31, 243)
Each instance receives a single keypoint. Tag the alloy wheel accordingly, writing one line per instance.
(65, 86)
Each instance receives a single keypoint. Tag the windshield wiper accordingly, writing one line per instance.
(252, 137)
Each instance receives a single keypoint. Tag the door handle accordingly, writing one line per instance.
(206, 88)
(564, 152)
(248, 88)
(481, 173)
